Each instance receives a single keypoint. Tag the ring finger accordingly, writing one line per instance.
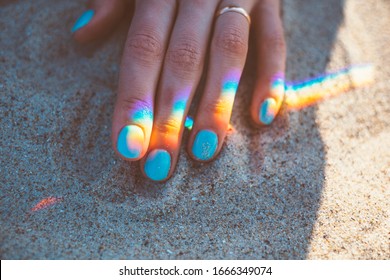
(227, 59)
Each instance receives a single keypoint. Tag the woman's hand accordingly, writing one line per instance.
(163, 60)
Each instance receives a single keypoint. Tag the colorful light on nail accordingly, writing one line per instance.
(270, 107)
(268, 110)
(302, 94)
(46, 202)
(131, 141)
(189, 123)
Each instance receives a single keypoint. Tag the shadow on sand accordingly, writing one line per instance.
(298, 151)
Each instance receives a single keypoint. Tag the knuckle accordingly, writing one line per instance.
(145, 46)
(185, 56)
(132, 104)
(217, 107)
(168, 126)
(232, 41)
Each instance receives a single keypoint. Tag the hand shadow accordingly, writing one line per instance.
(289, 157)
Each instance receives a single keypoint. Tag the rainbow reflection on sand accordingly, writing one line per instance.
(299, 95)
(44, 203)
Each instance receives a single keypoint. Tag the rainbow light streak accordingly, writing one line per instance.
(46, 202)
(228, 92)
(303, 94)
(298, 94)
(143, 115)
(179, 107)
(130, 141)
(189, 123)
(225, 103)
(278, 86)
(270, 106)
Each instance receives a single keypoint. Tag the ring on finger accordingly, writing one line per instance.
(234, 9)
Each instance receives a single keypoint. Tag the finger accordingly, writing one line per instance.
(99, 19)
(141, 65)
(271, 55)
(229, 48)
(182, 70)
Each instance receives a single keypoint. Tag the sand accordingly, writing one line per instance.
(314, 185)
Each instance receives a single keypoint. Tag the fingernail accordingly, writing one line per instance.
(130, 141)
(157, 165)
(83, 20)
(205, 145)
(268, 111)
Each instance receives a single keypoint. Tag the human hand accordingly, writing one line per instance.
(162, 63)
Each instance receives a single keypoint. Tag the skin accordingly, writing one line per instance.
(164, 58)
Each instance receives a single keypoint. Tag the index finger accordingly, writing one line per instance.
(141, 64)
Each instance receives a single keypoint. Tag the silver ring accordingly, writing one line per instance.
(234, 9)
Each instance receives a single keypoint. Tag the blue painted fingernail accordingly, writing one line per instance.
(83, 20)
(205, 145)
(157, 165)
(268, 111)
(130, 141)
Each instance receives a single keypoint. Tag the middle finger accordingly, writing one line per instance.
(228, 53)
(181, 73)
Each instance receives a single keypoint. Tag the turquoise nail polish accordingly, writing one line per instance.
(83, 20)
(130, 141)
(157, 165)
(205, 145)
(268, 111)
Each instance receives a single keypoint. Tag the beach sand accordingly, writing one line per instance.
(313, 185)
